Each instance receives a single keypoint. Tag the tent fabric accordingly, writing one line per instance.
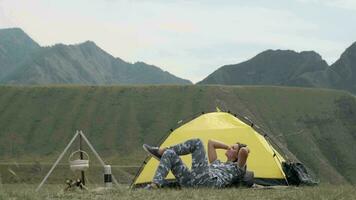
(264, 160)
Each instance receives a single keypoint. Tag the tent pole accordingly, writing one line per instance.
(57, 161)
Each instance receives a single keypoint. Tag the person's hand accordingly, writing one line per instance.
(235, 146)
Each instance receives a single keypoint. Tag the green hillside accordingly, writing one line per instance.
(24, 62)
(318, 126)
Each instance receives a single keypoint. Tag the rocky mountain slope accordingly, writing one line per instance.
(23, 61)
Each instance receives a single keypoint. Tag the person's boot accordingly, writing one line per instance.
(153, 151)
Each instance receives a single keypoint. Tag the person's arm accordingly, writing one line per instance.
(212, 146)
(242, 156)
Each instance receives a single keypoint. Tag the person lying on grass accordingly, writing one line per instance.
(202, 174)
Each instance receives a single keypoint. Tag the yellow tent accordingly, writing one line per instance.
(263, 160)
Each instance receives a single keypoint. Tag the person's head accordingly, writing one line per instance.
(232, 153)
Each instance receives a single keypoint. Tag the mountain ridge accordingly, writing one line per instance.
(83, 63)
(266, 68)
(15, 47)
(290, 68)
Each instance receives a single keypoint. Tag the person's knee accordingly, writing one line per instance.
(170, 156)
(197, 141)
(168, 153)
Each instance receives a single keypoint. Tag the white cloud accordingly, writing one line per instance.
(4, 19)
(343, 4)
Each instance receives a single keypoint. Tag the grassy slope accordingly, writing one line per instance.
(37, 122)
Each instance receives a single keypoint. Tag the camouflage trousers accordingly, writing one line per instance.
(170, 161)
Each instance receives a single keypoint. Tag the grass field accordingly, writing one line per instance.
(317, 125)
(33, 174)
(23, 192)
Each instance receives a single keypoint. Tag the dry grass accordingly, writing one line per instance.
(20, 191)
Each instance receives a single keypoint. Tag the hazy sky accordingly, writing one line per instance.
(190, 39)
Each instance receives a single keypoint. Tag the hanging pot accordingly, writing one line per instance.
(79, 164)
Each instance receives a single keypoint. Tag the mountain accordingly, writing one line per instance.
(343, 72)
(84, 63)
(271, 67)
(15, 48)
(316, 125)
(289, 68)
